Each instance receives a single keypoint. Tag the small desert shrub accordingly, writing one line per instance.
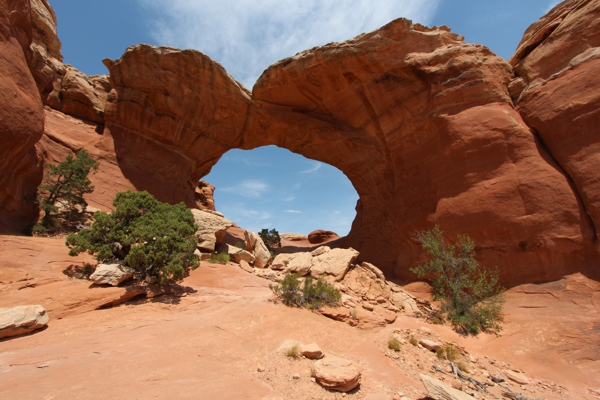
(469, 293)
(240, 245)
(394, 344)
(447, 352)
(462, 366)
(354, 314)
(219, 258)
(437, 318)
(413, 340)
(309, 293)
(293, 352)
(66, 183)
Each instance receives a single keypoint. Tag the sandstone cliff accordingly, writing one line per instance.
(21, 115)
(428, 129)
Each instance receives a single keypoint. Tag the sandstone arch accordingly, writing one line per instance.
(422, 124)
(428, 129)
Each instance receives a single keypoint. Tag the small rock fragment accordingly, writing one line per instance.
(312, 351)
(430, 344)
(517, 377)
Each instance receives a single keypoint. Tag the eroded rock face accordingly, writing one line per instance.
(204, 196)
(62, 87)
(558, 60)
(320, 236)
(212, 227)
(21, 117)
(422, 124)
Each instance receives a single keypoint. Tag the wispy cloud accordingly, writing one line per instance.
(246, 36)
(293, 211)
(316, 166)
(250, 188)
(288, 198)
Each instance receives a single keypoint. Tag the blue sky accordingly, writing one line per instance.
(272, 187)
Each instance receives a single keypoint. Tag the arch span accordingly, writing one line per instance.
(421, 123)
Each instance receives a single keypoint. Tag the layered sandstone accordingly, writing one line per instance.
(559, 63)
(21, 116)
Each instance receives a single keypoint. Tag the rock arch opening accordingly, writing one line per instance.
(271, 187)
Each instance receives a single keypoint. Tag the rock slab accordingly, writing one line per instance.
(238, 255)
(441, 391)
(336, 373)
(212, 227)
(111, 274)
(21, 320)
(333, 263)
(257, 247)
(312, 351)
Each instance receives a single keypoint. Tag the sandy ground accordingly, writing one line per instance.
(210, 343)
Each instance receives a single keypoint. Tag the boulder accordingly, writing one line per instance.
(21, 320)
(430, 344)
(111, 274)
(246, 267)
(300, 263)
(204, 196)
(280, 262)
(321, 236)
(212, 227)
(320, 250)
(333, 264)
(517, 377)
(335, 373)
(238, 255)
(257, 247)
(292, 237)
(78, 96)
(312, 351)
(439, 390)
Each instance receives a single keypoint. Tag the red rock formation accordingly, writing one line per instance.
(559, 63)
(172, 114)
(64, 135)
(62, 87)
(204, 196)
(21, 116)
(422, 124)
(321, 236)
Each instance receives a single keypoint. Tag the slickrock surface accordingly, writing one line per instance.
(224, 335)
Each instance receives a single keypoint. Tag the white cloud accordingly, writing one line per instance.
(246, 36)
(288, 198)
(249, 188)
(293, 211)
